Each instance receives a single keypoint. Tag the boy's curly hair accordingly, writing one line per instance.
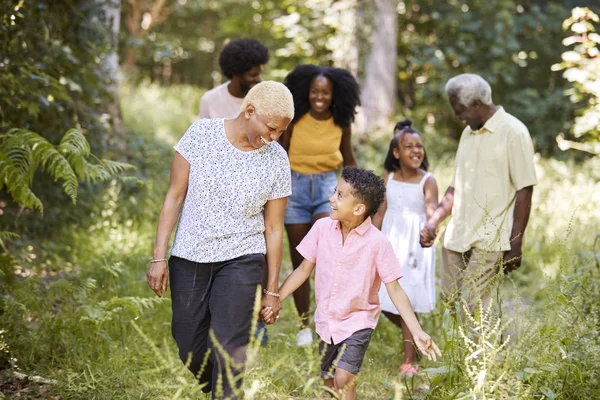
(241, 55)
(346, 93)
(367, 187)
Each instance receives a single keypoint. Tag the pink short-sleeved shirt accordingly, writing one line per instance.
(348, 276)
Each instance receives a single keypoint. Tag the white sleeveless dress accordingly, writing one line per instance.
(402, 224)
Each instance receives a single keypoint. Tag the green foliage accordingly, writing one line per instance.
(50, 74)
(22, 152)
(52, 81)
(504, 41)
(581, 67)
(185, 47)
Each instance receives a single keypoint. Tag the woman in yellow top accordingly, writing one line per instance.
(318, 142)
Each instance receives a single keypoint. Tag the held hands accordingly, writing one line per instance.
(270, 309)
(157, 277)
(428, 234)
(426, 346)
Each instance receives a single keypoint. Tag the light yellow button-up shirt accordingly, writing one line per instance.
(492, 164)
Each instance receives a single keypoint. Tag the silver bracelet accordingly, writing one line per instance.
(265, 291)
(158, 260)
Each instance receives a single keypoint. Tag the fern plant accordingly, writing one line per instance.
(23, 152)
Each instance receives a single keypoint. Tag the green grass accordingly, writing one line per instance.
(80, 312)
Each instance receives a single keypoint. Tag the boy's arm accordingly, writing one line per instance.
(293, 282)
(296, 279)
(402, 304)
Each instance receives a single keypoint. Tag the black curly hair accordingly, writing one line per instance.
(346, 93)
(367, 187)
(391, 163)
(241, 55)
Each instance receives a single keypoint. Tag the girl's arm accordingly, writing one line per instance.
(157, 275)
(430, 190)
(402, 304)
(346, 148)
(377, 219)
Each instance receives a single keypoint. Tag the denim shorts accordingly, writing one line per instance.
(347, 355)
(310, 196)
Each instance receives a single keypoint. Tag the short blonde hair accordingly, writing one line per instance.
(271, 99)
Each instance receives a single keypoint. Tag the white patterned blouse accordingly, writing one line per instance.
(222, 216)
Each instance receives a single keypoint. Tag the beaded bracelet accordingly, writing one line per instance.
(265, 291)
(158, 260)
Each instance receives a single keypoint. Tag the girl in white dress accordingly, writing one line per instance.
(411, 198)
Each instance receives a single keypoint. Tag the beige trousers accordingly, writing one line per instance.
(472, 276)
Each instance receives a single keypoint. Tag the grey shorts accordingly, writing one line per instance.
(347, 355)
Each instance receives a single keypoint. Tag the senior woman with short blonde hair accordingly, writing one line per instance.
(232, 179)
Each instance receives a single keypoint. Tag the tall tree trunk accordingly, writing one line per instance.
(111, 19)
(344, 45)
(379, 88)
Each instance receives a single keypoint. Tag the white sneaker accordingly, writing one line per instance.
(304, 337)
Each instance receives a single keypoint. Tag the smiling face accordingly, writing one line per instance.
(320, 95)
(262, 130)
(409, 152)
(344, 206)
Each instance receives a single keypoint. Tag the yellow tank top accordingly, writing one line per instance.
(315, 146)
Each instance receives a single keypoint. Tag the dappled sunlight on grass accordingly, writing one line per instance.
(156, 110)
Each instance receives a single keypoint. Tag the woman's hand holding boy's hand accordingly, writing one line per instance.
(426, 345)
(267, 315)
(270, 309)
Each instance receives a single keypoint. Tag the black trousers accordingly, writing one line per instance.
(217, 297)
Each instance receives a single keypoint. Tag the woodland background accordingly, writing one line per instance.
(93, 94)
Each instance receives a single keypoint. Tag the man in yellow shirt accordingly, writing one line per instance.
(489, 197)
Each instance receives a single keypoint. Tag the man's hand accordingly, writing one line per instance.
(428, 234)
(270, 308)
(426, 346)
(512, 257)
(157, 277)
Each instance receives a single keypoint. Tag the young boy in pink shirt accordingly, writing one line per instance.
(353, 258)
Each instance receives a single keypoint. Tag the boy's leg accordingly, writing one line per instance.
(329, 383)
(328, 353)
(345, 384)
(231, 306)
(189, 282)
(350, 356)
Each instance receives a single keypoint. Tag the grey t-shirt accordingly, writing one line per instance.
(222, 216)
